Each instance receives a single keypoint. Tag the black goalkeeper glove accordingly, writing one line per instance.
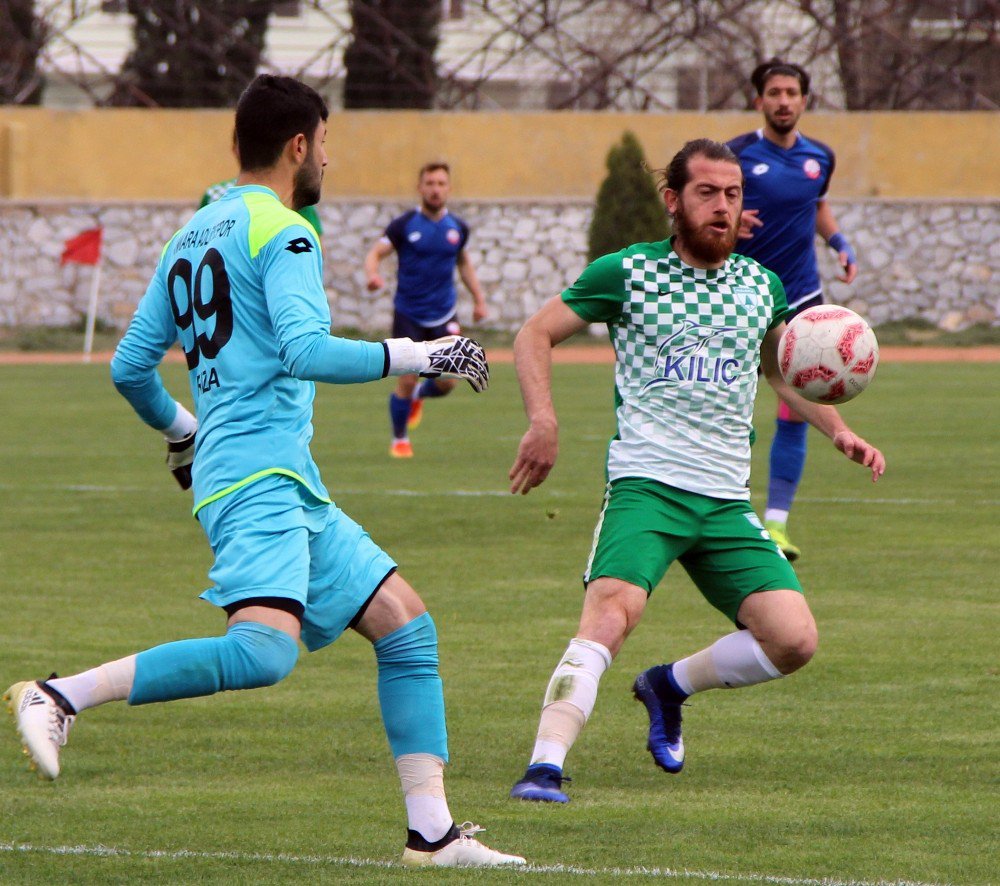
(453, 356)
(180, 455)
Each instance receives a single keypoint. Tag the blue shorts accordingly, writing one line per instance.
(407, 327)
(274, 539)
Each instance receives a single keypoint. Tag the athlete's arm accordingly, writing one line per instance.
(467, 273)
(133, 368)
(537, 452)
(300, 316)
(829, 230)
(825, 419)
(133, 371)
(379, 251)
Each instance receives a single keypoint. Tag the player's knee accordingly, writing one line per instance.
(257, 655)
(412, 647)
(611, 610)
(796, 648)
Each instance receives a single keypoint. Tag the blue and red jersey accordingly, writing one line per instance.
(428, 251)
(785, 185)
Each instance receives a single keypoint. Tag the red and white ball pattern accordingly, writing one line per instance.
(828, 354)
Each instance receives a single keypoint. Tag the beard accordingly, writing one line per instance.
(431, 208)
(307, 185)
(783, 128)
(703, 243)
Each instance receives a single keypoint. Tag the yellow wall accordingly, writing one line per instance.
(172, 155)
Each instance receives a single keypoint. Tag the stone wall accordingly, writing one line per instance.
(938, 261)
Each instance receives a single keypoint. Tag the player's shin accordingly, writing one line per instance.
(787, 461)
(730, 662)
(412, 703)
(248, 656)
(569, 700)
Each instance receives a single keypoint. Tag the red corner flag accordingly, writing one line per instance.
(84, 249)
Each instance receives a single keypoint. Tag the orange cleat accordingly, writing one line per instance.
(401, 449)
(416, 412)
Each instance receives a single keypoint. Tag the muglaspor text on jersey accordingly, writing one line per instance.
(690, 367)
(204, 236)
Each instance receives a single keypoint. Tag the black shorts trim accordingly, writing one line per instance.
(354, 622)
(406, 327)
(285, 604)
(813, 302)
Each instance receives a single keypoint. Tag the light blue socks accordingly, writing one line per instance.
(409, 690)
(248, 656)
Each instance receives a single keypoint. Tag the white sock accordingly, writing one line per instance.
(731, 661)
(569, 700)
(776, 514)
(107, 682)
(422, 780)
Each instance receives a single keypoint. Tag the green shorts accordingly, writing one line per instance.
(645, 525)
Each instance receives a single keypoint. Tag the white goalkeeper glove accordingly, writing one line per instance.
(180, 446)
(453, 356)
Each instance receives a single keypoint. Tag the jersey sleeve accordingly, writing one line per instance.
(463, 231)
(739, 144)
(149, 336)
(599, 293)
(781, 310)
(395, 231)
(831, 158)
(292, 273)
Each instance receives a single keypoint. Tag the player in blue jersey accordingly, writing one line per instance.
(787, 178)
(240, 287)
(430, 244)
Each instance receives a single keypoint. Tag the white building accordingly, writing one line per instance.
(521, 54)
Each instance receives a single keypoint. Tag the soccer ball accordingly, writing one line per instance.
(828, 354)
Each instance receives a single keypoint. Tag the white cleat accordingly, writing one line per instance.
(42, 724)
(463, 852)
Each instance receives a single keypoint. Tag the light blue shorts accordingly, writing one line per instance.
(273, 539)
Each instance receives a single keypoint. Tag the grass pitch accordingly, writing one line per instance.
(878, 762)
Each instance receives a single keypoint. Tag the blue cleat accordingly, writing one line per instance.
(541, 782)
(663, 704)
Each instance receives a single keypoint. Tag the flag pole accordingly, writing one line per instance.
(88, 335)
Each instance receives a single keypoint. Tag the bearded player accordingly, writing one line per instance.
(691, 324)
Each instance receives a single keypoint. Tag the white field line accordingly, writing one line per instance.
(504, 493)
(99, 851)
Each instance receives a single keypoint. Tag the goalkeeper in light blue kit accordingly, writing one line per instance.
(240, 286)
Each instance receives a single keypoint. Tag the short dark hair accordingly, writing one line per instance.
(778, 68)
(678, 173)
(433, 166)
(272, 110)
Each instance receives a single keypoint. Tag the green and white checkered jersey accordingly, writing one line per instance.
(215, 192)
(688, 346)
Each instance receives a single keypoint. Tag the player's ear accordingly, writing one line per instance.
(297, 147)
(758, 102)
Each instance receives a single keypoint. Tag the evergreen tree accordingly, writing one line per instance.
(629, 208)
(390, 61)
(22, 34)
(192, 53)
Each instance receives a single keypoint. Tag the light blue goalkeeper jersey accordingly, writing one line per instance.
(240, 286)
